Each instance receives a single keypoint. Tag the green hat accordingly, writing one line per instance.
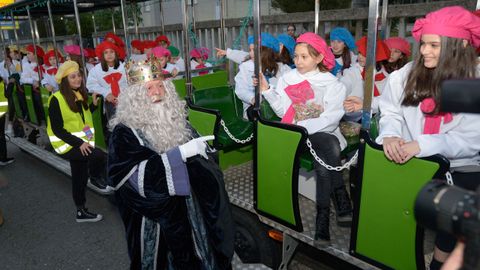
(174, 51)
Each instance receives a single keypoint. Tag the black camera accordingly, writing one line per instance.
(451, 209)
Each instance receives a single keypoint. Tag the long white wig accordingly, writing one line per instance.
(163, 124)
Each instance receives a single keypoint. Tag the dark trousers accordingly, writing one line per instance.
(81, 168)
(327, 148)
(3, 141)
(23, 102)
(38, 106)
(11, 104)
(470, 181)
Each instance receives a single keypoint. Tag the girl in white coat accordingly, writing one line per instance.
(311, 97)
(412, 124)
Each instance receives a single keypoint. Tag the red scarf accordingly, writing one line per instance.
(52, 71)
(433, 121)
(42, 70)
(113, 79)
(201, 66)
(299, 94)
(378, 77)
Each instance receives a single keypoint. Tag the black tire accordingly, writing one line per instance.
(252, 243)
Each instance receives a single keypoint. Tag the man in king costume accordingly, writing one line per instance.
(169, 190)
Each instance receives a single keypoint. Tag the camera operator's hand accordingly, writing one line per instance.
(392, 148)
(455, 260)
(410, 150)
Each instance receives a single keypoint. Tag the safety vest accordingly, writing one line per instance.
(72, 123)
(3, 100)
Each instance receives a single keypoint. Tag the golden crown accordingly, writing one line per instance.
(143, 71)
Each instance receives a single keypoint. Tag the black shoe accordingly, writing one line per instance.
(98, 185)
(322, 230)
(84, 216)
(343, 206)
(6, 161)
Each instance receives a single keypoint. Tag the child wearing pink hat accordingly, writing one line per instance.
(198, 58)
(412, 123)
(399, 53)
(312, 97)
(163, 55)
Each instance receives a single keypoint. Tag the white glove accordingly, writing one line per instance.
(195, 147)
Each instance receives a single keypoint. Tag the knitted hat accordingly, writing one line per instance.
(66, 69)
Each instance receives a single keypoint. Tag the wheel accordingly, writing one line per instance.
(252, 243)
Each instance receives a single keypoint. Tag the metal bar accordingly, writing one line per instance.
(383, 32)
(188, 75)
(135, 20)
(373, 11)
(125, 29)
(478, 5)
(256, 42)
(193, 18)
(52, 29)
(16, 37)
(162, 19)
(223, 12)
(94, 23)
(35, 28)
(80, 43)
(113, 22)
(34, 44)
(317, 11)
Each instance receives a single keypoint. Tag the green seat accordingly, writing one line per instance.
(223, 103)
(216, 79)
(45, 94)
(28, 89)
(386, 231)
(97, 117)
(180, 87)
(16, 103)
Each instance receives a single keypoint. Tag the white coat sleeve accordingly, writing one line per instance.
(333, 111)
(353, 84)
(277, 98)
(236, 56)
(244, 85)
(463, 141)
(389, 103)
(93, 84)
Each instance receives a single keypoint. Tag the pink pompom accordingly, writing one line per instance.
(427, 105)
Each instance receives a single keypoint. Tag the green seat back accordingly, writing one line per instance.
(27, 88)
(97, 118)
(180, 87)
(216, 79)
(386, 228)
(276, 172)
(16, 102)
(267, 111)
(45, 94)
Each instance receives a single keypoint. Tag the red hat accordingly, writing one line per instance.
(116, 39)
(40, 52)
(162, 38)
(383, 53)
(160, 52)
(320, 46)
(137, 44)
(149, 44)
(108, 45)
(455, 22)
(74, 50)
(49, 54)
(398, 43)
(90, 53)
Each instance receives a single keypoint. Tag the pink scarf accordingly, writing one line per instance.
(299, 94)
(433, 122)
(202, 72)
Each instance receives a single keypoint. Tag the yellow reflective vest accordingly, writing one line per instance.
(3, 100)
(72, 123)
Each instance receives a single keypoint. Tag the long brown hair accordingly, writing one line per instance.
(314, 53)
(268, 60)
(456, 61)
(346, 58)
(67, 93)
(391, 67)
(284, 57)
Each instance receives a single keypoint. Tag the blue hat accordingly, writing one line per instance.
(267, 41)
(342, 34)
(288, 42)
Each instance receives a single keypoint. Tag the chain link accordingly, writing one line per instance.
(449, 177)
(329, 167)
(233, 137)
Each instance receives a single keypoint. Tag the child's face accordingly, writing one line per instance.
(395, 55)
(430, 48)
(31, 57)
(163, 61)
(362, 60)
(174, 59)
(109, 55)
(163, 44)
(52, 60)
(199, 60)
(337, 46)
(136, 51)
(304, 61)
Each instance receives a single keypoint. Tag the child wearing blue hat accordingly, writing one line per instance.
(287, 49)
(342, 43)
(271, 69)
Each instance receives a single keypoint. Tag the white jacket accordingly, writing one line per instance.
(5, 73)
(28, 76)
(329, 93)
(96, 82)
(244, 88)
(236, 56)
(193, 66)
(50, 80)
(458, 140)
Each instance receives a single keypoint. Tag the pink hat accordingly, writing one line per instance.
(74, 49)
(320, 46)
(160, 52)
(200, 53)
(400, 44)
(455, 22)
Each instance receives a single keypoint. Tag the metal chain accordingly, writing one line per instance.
(328, 167)
(232, 137)
(449, 177)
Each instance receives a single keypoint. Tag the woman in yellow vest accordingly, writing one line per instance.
(71, 133)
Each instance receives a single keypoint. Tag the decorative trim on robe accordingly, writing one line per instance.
(141, 173)
(176, 173)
